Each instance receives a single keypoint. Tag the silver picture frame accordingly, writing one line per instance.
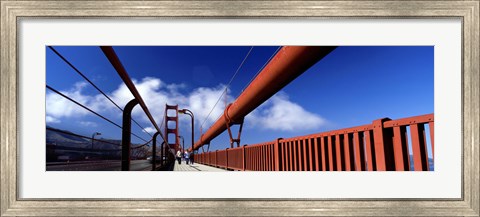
(12, 11)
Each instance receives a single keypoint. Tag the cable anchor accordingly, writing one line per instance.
(229, 122)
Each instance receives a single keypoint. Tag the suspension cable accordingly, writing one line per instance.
(95, 86)
(145, 144)
(261, 68)
(90, 110)
(226, 87)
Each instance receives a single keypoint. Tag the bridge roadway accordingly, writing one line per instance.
(135, 165)
(194, 167)
(105, 165)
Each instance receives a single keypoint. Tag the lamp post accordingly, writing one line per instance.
(189, 113)
(93, 137)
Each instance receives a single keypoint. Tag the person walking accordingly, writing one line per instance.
(186, 157)
(179, 157)
(191, 158)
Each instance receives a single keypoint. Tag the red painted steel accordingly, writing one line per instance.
(250, 155)
(266, 158)
(262, 157)
(369, 151)
(295, 155)
(284, 156)
(330, 153)
(117, 64)
(310, 153)
(379, 144)
(246, 158)
(276, 155)
(252, 159)
(269, 157)
(346, 147)
(176, 144)
(235, 158)
(255, 158)
(316, 154)
(222, 158)
(243, 158)
(358, 142)
(410, 120)
(355, 148)
(431, 128)
(420, 155)
(324, 155)
(400, 148)
(305, 154)
(285, 66)
(338, 152)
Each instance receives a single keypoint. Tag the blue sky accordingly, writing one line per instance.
(352, 86)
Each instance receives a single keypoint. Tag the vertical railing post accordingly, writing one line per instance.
(244, 163)
(276, 155)
(432, 137)
(316, 155)
(419, 147)
(226, 159)
(126, 134)
(154, 151)
(383, 146)
(338, 152)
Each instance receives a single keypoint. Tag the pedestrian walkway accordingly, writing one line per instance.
(194, 167)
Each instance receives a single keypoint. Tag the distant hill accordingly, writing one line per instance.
(63, 139)
(54, 137)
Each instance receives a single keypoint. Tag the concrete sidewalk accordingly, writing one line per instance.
(194, 167)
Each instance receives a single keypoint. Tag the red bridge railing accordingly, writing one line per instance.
(380, 146)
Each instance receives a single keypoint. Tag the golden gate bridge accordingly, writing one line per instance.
(382, 145)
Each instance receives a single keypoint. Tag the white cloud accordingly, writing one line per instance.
(150, 130)
(88, 124)
(202, 101)
(60, 107)
(51, 120)
(156, 94)
(279, 113)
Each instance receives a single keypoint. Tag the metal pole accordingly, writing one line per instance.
(126, 134)
(154, 151)
(162, 153)
(193, 127)
(190, 113)
(93, 137)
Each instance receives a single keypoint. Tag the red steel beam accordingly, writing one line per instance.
(285, 66)
(113, 58)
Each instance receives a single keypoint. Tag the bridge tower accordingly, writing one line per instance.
(171, 132)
